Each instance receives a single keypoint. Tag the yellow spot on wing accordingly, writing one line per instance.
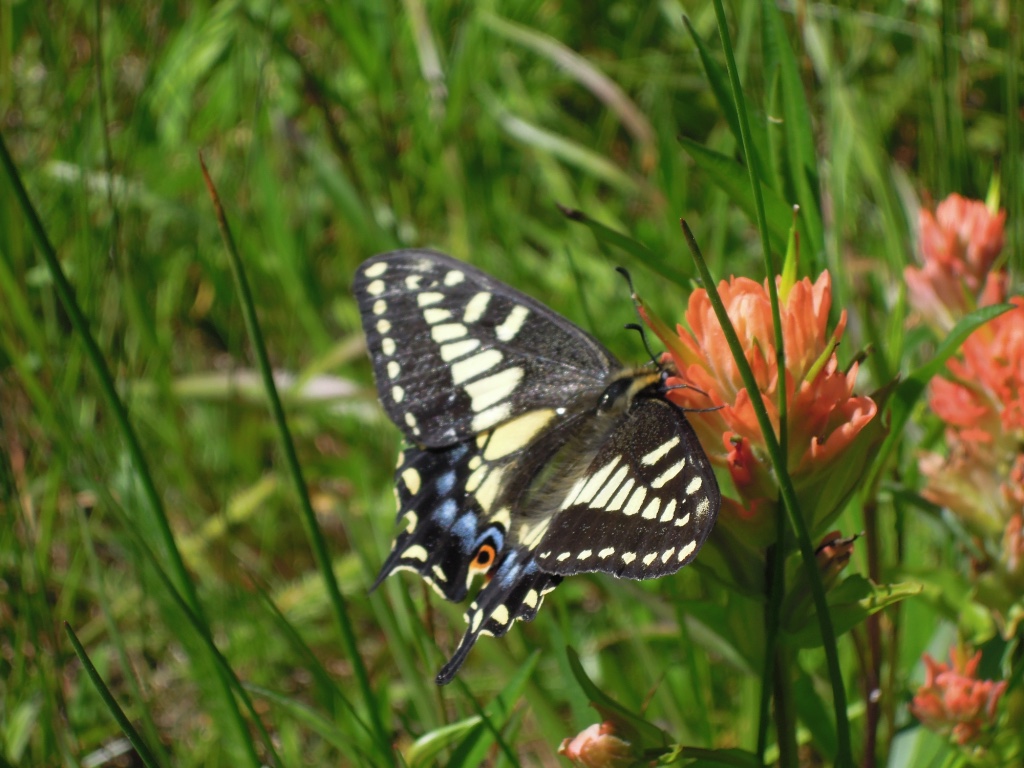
(494, 388)
(595, 482)
(658, 453)
(436, 314)
(652, 509)
(457, 349)
(490, 417)
(620, 497)
(513, 323)
(517, 433)
(669, 473)
(635, 501)
(411, 478)
(670, 510)
(447, 332)
(610, 487)
(488, 491)
(416, 552)
(376, 270)
(476, 307)
(427, 298)
(500, 614)
(685, 551)
(471, 367)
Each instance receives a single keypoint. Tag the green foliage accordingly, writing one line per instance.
(212, 562)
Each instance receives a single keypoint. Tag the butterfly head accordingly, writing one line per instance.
(625, 386)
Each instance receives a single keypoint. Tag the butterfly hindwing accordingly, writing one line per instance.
(445, 528)
(644, 505)
(514, 592)
(456, 352)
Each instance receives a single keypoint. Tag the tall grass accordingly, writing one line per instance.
(146, 495)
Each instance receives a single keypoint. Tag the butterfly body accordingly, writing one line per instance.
(533, 453)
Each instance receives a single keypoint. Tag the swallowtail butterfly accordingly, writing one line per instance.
(533, 453)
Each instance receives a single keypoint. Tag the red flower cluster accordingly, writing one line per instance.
(825, 417)
(953, 701)
(982, 401)
(958, 244)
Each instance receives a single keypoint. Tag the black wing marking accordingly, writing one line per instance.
(515, 590)
(456, 352)
(446, 528)
(643, 507)
(459, 503)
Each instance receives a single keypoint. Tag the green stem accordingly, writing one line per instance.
(316, 537)
(108, 390)
(785, 711)
(844, 755)
(776, 587)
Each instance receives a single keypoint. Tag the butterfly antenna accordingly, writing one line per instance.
(643, 336)
(635, 326)
(629, 279)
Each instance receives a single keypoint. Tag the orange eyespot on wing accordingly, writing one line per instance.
(483, 559)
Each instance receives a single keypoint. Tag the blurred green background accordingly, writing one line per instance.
(334, 131)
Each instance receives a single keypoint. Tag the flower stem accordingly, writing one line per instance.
(844, 755)
(785, 714)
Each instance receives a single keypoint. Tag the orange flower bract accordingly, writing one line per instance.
(825, 417)
(958, 244)
(953, 701)
(981, 404)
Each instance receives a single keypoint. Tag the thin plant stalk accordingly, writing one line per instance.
(844, 757)
(316, 537)
(108, 390)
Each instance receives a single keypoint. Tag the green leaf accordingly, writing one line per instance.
(719, 82)
(696, 756)
(796, 123)
(314, 722)
(734, 180)
(813, 712)
(850, 603)
(629, 726)
(638, 252)
(473, 736)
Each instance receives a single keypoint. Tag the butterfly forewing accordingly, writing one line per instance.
(456, 352)
(643, 506)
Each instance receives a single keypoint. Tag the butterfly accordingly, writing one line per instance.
(532, 453)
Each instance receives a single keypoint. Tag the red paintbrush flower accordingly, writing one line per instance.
(953, 701)
(959, 245)
(825, 418)
(982, 477)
